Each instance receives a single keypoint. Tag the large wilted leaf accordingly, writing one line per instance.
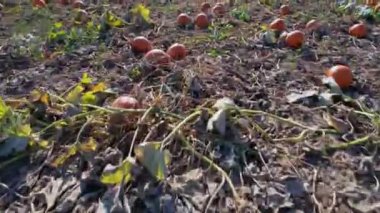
(153, 159)
(115, 174)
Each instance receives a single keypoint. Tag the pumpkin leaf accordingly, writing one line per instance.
(4, 109)
(112, 20)
(142, 11)
(89, 146)
(88, 98)
(153, 159)
(71, 151)
(74, 95)
(86, 79)
(115, 174)
(42, 97)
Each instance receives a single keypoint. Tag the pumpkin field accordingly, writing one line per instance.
(190, 106)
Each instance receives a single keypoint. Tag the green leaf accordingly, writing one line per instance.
(86, 79)
(74, 95)
(153, 159)
(4, 109)
(88, 98)
(58, 25)
(71, 151)
(115, 175)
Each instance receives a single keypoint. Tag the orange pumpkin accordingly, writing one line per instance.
(157, 57)
(358, 30)
(78, 4)
(218, 10)
(183, 19)
(177, 51)
(278, 25)
(313, 25)
(141, 45)
(39, 3)
(205, 7)
(295, 39)
(125, 102)
(341, 74)
(285, 10)
(201, 21)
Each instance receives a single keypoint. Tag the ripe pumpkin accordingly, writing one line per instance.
(341, 74)
(157, 57)
(205, 7)
(284, 10)
(295, 39)
(78, 4)
(141, 45)
(358, 30)
(183, 20)
(313, 25)
(218, 10)
(201, 21)
(278, 25)
(39, 3)
(125, 102)
(177, 51)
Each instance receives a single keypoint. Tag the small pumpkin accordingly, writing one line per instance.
(295, 39)
(284, 10)
(158, 58)
(183, 20)
(177, 51)
(39, 3)
(313, 25)
(205, 7)
(78, 4)
(141, 44)
(125, 102)
(358, 30)
(341, 74)
(201, 21)
(218, 10)
(278, 25)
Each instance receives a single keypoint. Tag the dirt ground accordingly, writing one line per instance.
(292, 144)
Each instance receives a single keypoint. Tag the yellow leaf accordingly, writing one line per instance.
(63, 157)
(3, 108)
(100, 87)
(142, 11)
(86, 79)
(116, 175)
(89, 146)
(74, 95)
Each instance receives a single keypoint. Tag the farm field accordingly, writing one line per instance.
(190, 106)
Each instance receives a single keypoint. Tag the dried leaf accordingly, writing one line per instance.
(153, 159)
(42, 97)
(299, 97)
(338, 124)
